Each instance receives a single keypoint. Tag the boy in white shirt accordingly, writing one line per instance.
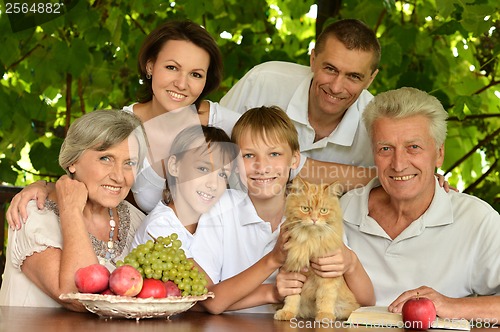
(197, 170)
(241, 248)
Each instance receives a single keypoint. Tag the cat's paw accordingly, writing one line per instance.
(283, 315)
(324, 316)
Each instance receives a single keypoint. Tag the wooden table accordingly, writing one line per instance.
(23, 319)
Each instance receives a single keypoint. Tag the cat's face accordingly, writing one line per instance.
(310, 205)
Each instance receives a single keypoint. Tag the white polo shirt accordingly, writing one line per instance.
(453, 247)
(286, 85)
(162, 221)
(233, 239)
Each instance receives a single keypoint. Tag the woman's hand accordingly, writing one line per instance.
(444, 184)
(72, 194)
(16, 213)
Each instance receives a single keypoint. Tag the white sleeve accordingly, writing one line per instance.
(244, 94)
(222, 117)
(162, 221)
(485, 276)
(208, 247)
(41, 230)
(148, 188)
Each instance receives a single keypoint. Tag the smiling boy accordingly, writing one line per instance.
(241, 248)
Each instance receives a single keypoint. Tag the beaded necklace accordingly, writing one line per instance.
(122, 228)
(111, 245)
(101, 247)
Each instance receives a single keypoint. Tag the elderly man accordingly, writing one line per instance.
(409, 234)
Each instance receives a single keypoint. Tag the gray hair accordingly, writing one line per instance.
(99, 130)
(406, 102)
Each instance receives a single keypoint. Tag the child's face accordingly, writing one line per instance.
(201, 179)
(267, 165)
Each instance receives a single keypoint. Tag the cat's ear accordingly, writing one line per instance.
(298, 184)
(334, 189)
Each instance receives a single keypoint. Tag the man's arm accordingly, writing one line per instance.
(479, 307)
(244, 90)
(348, 176)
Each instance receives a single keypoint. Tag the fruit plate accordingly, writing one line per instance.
(114, 306)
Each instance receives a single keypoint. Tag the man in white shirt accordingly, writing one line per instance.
(413, 238)
(325, 101)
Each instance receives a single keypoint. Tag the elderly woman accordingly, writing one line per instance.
(86, 212)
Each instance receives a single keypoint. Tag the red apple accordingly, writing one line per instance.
(153, 288)
(125, 280)
(107, 291)
(172, 289)
(418, 313)
(92, 279)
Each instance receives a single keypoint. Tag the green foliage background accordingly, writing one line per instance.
(54, 71)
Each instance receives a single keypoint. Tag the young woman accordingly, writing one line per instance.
(180, 64)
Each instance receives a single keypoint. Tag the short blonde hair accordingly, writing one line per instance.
(267, 123)
(406, 102)
(99, 130)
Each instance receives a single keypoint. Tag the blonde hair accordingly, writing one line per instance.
(99, 130)
(406, 102)
(270, 123)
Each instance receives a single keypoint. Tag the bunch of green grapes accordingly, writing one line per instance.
(164, 259)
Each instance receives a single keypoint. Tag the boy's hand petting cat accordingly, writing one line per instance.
(280, 249)
(333, 265)
(289, 283)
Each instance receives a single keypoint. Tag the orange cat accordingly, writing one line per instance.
(314, 220)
